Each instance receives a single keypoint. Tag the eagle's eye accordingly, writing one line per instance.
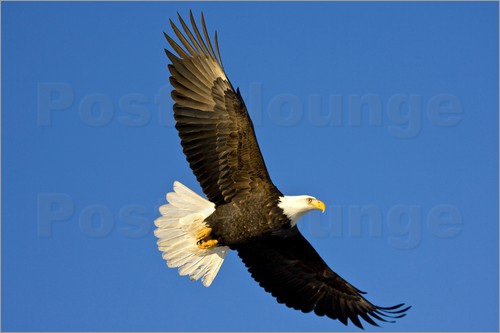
(309, 200)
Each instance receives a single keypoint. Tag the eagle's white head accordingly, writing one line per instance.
(294, 206)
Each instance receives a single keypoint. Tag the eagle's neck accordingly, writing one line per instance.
(294, 207)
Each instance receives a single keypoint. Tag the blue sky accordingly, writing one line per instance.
(388, 112)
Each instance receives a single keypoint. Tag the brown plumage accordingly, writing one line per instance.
(219, 142)
(215, 129)
(293, 272)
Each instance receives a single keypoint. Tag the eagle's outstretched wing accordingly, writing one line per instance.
(216, 132)
(293, 272)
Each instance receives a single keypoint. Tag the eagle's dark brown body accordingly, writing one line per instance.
(254, 217)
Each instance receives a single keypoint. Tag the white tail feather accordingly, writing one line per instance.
(182, 218)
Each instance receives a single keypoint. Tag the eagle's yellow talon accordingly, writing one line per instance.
(208, 244)
(204, 239)
(203, 234)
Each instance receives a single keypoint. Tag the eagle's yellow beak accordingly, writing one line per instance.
(318, 204)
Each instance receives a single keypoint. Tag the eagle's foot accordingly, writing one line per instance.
(204, 239)
(207, 244)
(203, 234)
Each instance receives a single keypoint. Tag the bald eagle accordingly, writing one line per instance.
(244, 211)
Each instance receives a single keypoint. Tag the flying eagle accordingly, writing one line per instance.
(244, 211)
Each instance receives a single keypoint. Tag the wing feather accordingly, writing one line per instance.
(207, 37)
(183, 39)
(198, 35)
(193, 40)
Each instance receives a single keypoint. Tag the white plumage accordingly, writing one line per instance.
(295, 206)
(182, 218)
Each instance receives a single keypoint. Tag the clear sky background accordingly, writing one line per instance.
(388, 112)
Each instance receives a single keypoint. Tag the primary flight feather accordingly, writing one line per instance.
(244, 211)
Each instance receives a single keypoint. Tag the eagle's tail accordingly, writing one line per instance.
(182, 218)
